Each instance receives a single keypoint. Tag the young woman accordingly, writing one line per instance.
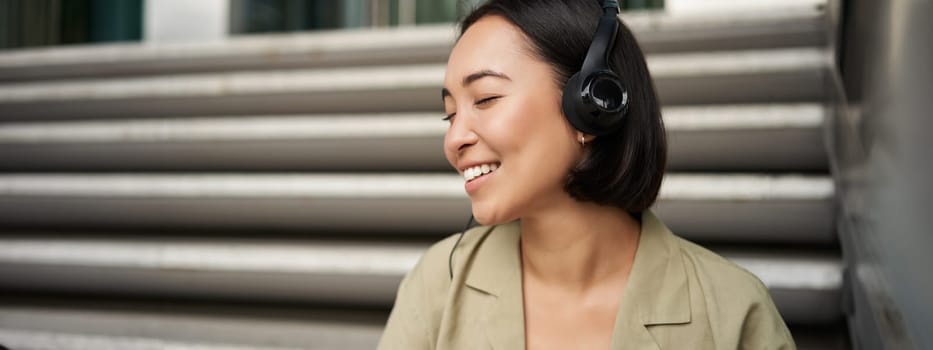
(558, 134)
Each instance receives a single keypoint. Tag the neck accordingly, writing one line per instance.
(577, 245)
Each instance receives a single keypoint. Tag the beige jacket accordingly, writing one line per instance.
(678, 296)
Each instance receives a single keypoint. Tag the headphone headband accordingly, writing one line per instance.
(598, 54)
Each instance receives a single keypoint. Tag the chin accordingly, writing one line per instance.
(488, 216)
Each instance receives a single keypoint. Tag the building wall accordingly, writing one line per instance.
(31, 23)
(883, 168)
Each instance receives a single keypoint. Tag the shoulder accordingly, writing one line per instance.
(735, 300)
(721, 272)
(422, 294)
(429, 281)
(437, 262)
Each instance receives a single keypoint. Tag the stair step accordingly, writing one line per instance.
(731, 137)
(165, 325)
(785, 208)
(806, 285)
(140, 326)
(755, 76)
(745, 138)
(656, 31)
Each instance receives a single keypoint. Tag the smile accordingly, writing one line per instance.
(478, 171)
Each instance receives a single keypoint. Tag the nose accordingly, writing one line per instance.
(460, 136)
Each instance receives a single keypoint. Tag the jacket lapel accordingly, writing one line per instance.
(656, 292)
(497, 272)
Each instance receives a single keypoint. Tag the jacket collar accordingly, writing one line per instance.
(656, 292)
(658, 280)
(497, 261)
(497, 271)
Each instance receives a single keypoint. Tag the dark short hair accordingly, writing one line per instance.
(625, 168)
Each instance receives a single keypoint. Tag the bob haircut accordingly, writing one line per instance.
(622, 169)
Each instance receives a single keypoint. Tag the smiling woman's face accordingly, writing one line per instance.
(505, 108)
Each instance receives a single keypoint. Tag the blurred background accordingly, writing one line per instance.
(260, 174)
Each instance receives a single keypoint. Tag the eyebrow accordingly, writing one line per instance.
(469, 79)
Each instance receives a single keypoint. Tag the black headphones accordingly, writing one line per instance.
(595, 100)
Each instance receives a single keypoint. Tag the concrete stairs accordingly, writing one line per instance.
(270, 192)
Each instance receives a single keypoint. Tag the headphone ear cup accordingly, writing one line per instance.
(595, 100)
(605, 91)
(595, 103)
(607, 99)
(573, 105)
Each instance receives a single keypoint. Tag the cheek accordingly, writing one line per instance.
(536, 142)
(547, 137)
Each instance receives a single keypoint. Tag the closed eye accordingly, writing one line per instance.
(477, 103)
(488, 99)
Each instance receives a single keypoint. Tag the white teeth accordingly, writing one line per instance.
(474, 172)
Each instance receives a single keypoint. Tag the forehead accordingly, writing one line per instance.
(492, 43)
